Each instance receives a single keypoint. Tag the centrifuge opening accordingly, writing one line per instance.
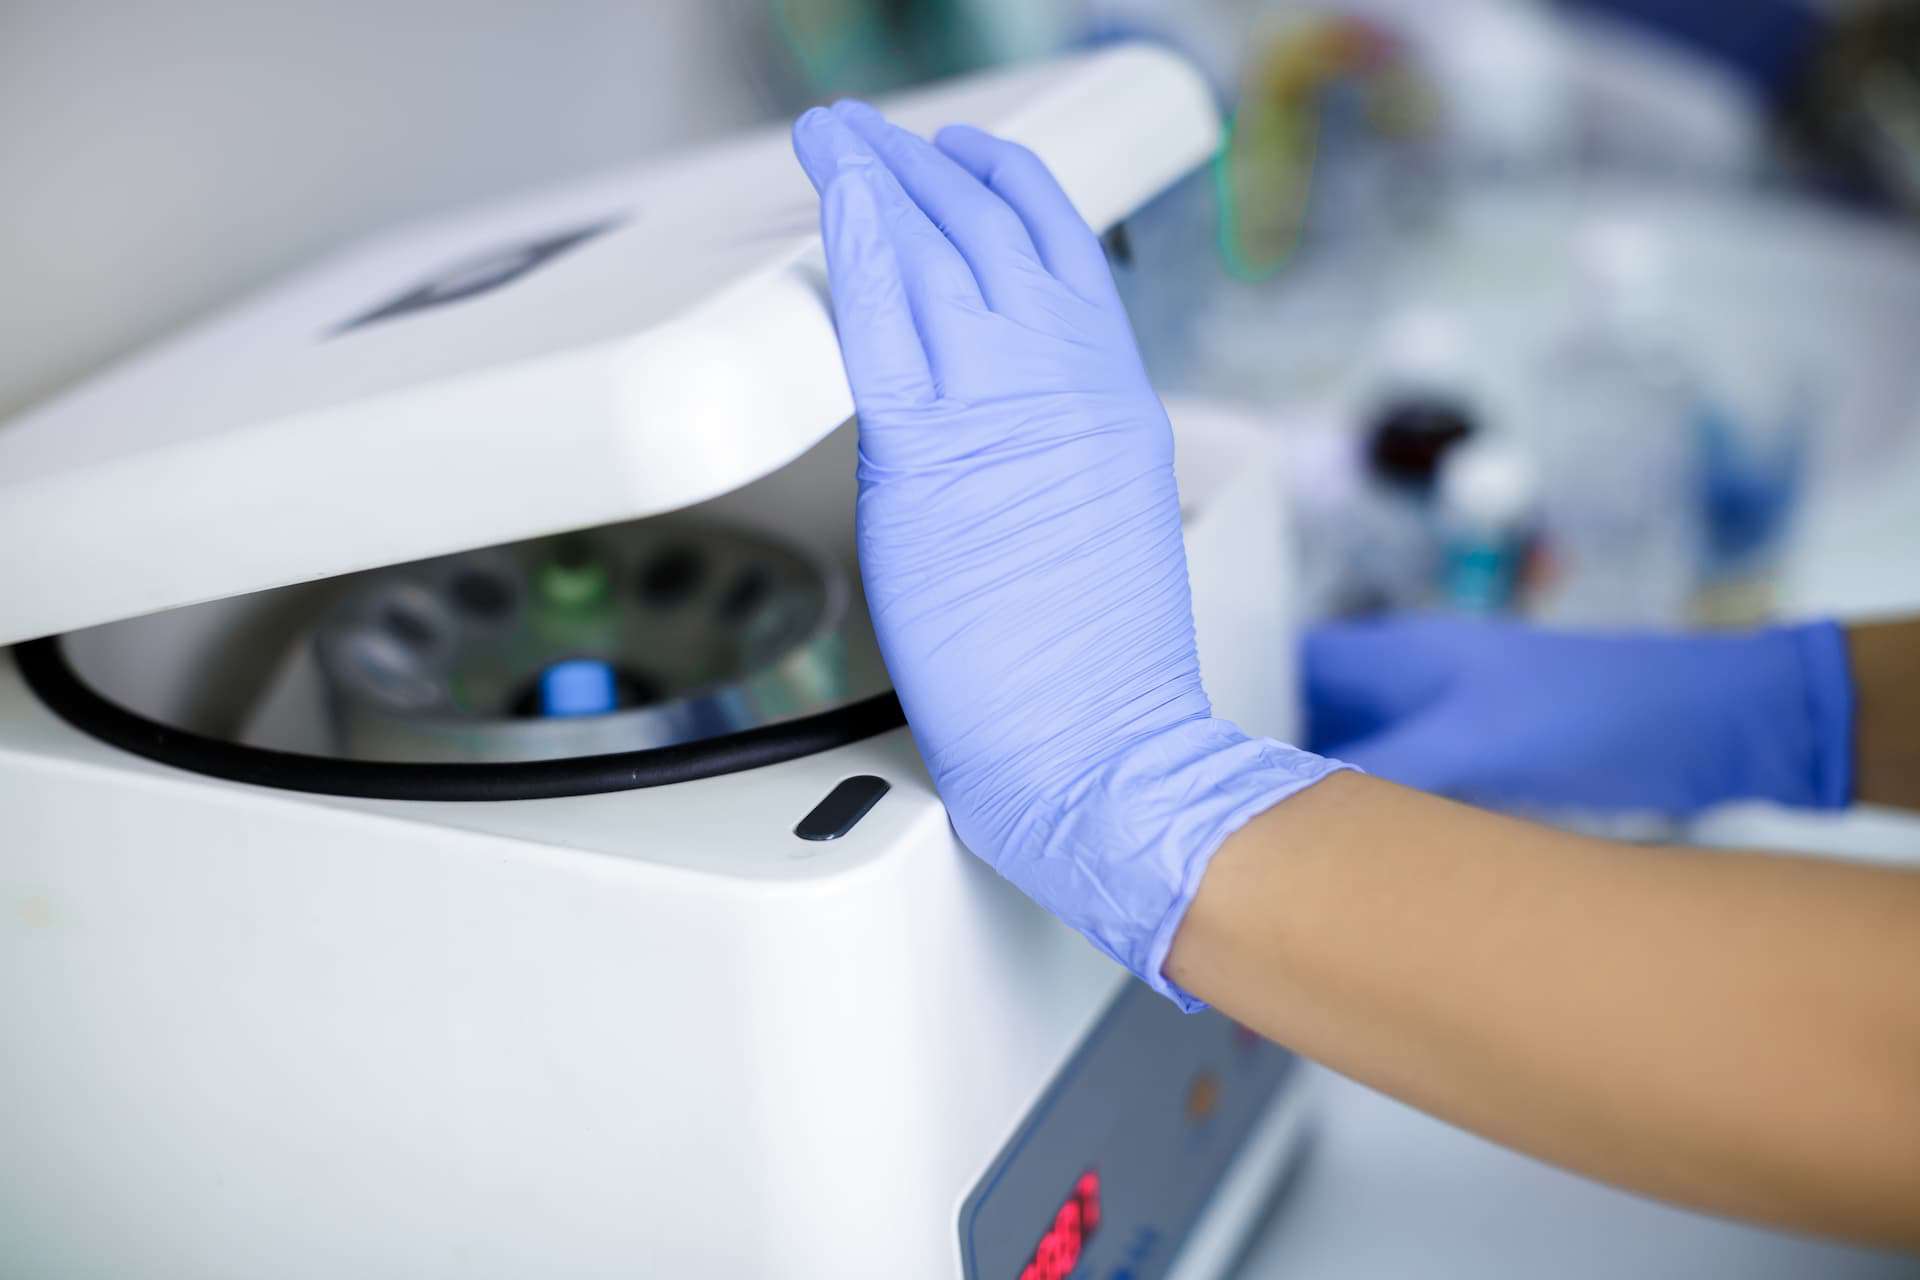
(45, 668)
(724, 637)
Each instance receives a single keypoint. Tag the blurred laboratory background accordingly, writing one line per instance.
(1597, 312)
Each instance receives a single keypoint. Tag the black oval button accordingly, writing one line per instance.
(845, 805)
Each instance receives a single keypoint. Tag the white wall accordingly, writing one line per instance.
(158, 159)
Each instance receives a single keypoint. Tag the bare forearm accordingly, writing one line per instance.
(1738, 1033)
(1885, 658)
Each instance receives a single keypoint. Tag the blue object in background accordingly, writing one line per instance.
(1752, 483)
(580, 687)
(1768, 42)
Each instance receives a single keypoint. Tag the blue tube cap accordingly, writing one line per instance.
(579, 687)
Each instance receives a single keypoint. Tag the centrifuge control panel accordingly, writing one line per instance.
(1111, 1170)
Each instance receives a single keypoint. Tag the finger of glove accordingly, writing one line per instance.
(1067, 246)
(1362, 678)
(940, 287)
(879, 342)
(988, 234)
(886, 363)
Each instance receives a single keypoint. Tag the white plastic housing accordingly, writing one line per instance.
(667, 341)
(253, 1032)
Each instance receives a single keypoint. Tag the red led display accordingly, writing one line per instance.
(1058, 1252)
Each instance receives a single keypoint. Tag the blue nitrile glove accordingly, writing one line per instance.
(1019, 533)
(1509, 715)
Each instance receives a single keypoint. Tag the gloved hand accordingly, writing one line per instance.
(1019, 533)
(1508, 715)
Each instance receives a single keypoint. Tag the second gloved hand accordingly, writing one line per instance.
(1019, 532)
(1517, 716)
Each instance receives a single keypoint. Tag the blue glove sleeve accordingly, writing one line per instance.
(1019, 533)
(1508, 715)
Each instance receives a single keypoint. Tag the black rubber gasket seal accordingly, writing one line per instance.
(52, 678)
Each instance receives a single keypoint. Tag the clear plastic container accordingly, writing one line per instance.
(1616, 429)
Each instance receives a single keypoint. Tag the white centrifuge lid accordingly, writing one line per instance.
(617, 348)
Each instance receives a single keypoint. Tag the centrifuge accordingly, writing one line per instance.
(456, 822)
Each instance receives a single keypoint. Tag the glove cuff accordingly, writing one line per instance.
(1151, 820)
(1823, 656)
